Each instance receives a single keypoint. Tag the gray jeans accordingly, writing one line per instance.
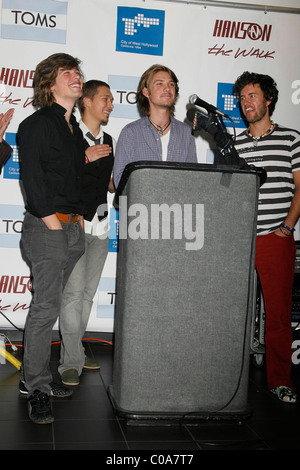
(77, 302)
(52, 255)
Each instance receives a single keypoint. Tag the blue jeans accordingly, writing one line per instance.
(52, 255)
(78, 300)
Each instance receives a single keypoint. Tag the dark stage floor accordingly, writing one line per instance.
(86, 421)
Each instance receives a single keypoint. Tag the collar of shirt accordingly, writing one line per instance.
(62, 111)
(85, 129)
(58, 108)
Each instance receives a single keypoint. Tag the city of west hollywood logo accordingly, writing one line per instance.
(140, 31)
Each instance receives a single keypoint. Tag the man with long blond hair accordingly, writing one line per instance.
(157, 136)
(52, 167)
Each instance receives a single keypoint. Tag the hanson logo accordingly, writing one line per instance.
(242, 30)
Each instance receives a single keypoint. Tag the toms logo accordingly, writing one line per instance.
(242, 30)
(11, 225)
(124, 89)
(38, 20)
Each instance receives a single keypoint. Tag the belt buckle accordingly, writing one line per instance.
(73, 218)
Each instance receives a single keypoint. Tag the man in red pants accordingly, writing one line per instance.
(276, 149)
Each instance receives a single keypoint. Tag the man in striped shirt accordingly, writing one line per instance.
(276, 149)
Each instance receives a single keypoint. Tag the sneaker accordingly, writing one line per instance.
(91, 364)
(39, 408)
(57, 390)
(285, 394)
(70, 377)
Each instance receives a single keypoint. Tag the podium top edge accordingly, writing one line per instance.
(146, 164)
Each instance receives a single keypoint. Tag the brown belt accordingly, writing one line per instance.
(68, 218)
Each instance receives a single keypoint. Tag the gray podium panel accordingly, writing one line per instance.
(184, 296)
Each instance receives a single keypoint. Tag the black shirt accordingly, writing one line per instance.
(52, 162)
(96, 180)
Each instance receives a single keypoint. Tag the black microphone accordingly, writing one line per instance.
(195, 100)
(200, 121)
(208, 124)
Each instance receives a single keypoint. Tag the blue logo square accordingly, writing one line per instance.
(11, 168)
(140, 31)
(227, 102)
(113, 233)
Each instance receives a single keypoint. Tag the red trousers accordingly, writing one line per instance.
(275, 264)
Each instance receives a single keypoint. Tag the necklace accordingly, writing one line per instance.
(256, 138)
(160, 129)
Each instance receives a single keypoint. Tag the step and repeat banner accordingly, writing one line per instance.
(207, 47)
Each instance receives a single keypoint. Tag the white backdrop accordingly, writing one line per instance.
(117, 41)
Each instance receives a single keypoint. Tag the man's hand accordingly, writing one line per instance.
(95, 152)
(52, 222)
(281, 234)
(4, 121)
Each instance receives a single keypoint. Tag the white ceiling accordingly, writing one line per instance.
(295, 4)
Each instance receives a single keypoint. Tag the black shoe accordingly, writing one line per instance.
(39, 408)
(57, 390)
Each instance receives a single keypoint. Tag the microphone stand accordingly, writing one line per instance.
(214, 125)
(227, 153)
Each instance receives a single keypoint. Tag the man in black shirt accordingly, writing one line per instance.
(95, 106)
(52, 166)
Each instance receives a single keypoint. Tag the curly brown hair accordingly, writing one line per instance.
(266, 83)
(145, 82)
(45, 76)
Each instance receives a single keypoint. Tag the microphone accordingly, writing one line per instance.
(201, 121)
(213, 125)
(195, 100)
(222, 139)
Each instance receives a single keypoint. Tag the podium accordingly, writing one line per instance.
(184, 291)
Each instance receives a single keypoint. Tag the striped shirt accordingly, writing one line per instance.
(279, 154)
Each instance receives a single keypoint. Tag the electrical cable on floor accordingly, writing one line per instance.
(89, 339)
(13, 347)
(17, 363)
(4, 353)
(53, 343)
(19, 329)
(10, 358)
